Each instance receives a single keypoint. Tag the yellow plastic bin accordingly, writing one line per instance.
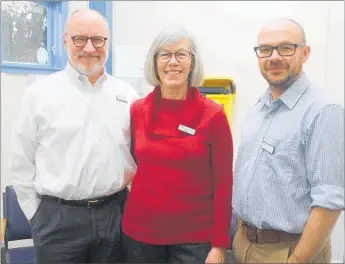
(221, 90)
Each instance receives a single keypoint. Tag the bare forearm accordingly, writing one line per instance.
(317, 230)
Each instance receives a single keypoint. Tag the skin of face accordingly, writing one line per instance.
(174, 74)
(87, 60)
(282, 71)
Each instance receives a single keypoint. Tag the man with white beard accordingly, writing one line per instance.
(71, 159)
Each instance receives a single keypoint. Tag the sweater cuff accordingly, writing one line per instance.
(221, 241)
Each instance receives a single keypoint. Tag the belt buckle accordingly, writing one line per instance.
(91, 202)
(259, 236)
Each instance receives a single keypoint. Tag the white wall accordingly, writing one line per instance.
(74, 5)
(226, 32)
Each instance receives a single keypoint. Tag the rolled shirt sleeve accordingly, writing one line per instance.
(325, 158)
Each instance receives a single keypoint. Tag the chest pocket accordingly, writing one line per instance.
(280, 159)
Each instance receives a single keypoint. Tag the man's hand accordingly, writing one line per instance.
(294, 259)
(216, 255)
(316, 232)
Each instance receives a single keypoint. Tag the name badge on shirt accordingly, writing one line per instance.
(267, 147)
(121, 98)
(188, 130)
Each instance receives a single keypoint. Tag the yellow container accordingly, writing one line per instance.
(225, 82)
(222, 90)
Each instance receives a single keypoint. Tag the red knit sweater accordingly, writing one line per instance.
(183, 187)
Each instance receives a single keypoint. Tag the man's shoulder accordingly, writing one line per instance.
(43, 83)
(318, 104)
(318, 99)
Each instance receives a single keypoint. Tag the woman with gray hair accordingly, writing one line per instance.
(179, 207)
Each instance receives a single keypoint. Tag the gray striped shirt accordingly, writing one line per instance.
(291, 158)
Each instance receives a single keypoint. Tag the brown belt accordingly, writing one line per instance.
(261, 236)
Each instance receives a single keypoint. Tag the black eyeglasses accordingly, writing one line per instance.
(81, 41)
(181, 56)
(283, 50)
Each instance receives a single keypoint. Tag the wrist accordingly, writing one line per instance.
(218, 249)
(295, 259)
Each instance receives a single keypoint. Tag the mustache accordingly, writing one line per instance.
(82, 54)
(276, 65)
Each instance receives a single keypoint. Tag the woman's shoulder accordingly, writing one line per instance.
(136, 105)
(210, 106)
(140, 103)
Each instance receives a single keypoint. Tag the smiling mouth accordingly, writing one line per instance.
(88, 57)
(172, 72)
(276, 69)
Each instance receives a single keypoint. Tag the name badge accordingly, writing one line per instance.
(267, 147)
(188, 130)
(121, 98)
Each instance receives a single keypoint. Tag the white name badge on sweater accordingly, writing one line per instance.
(188, 130)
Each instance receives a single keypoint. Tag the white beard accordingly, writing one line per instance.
(90, 71)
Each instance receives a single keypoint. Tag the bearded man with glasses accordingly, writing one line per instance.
(71, 159)
(289, 172)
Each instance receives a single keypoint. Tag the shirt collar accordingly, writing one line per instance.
(266, 97)
(74, 74)
(291, 96)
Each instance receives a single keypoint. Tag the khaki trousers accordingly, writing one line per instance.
(248, 252)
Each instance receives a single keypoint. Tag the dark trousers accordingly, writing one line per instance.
(138, 252)
(77, 234)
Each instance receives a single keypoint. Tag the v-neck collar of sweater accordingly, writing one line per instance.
(189, 117)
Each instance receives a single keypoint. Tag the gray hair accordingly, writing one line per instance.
(166, 37)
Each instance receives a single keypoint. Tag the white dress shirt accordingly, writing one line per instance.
(72, 140)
